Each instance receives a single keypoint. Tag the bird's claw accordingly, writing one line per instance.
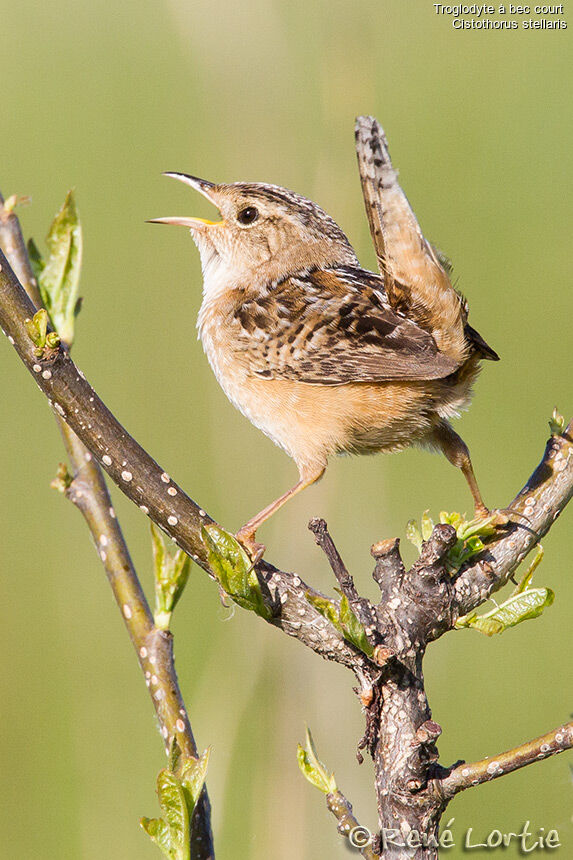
(254, 550)
(496, 516)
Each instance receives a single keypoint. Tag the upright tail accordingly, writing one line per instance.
(415, 280)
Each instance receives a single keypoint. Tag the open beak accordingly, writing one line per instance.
(204, 187)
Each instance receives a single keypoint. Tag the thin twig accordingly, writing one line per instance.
(467, 775)
(321, 535)
(360, 838)
(362, 607)
(13, 245)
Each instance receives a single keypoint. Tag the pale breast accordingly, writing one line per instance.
(313, 421)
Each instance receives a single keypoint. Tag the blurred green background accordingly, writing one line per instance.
(104, 99)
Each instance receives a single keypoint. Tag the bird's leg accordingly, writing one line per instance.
(456, 450)
(246, 534)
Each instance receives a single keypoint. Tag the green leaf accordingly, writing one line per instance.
(474, 545)
(229, 561)
(171, 575)
(519, 607)
(193, 775)
(38, 326)
(342, 619)
(159, 832)
(58, 277)
(175, 753)
(556, 423)
(327, 608)
(234, 570)
(312, 768)
(523, 606)
(414, 535)
(525, 581)
(352, 629)
(178, 795)
(427, 525)
(470, 534)
(480, 526)
(37, 329)
(158, 547)
(174, 807)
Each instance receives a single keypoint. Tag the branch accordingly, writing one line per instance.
(541, 501)
(73, 398)
(415, 607)
(467, 775)
(321, 535)
(147, 484)
(362, 607)
(389, 564)
(143, 481)
(154, 648)
(13, 245)
(358, 836)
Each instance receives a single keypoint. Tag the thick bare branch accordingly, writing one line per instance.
(389, 564)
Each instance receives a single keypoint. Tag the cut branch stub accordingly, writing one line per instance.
(389, 564)
(435, 550)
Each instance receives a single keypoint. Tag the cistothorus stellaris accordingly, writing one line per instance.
(320, 354)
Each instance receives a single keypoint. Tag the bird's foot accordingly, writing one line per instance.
(507, 515)
(500, 517)
(247, 540)
(496, 516)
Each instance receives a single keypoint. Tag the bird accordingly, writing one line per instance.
(322, 355)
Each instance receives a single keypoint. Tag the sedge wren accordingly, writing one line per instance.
(320, 354)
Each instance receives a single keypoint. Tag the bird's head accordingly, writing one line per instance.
(266, 233)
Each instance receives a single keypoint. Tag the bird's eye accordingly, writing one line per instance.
(248, 215)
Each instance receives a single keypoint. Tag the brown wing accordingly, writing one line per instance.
(332, 327)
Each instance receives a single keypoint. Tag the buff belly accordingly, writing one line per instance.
(311, 422)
